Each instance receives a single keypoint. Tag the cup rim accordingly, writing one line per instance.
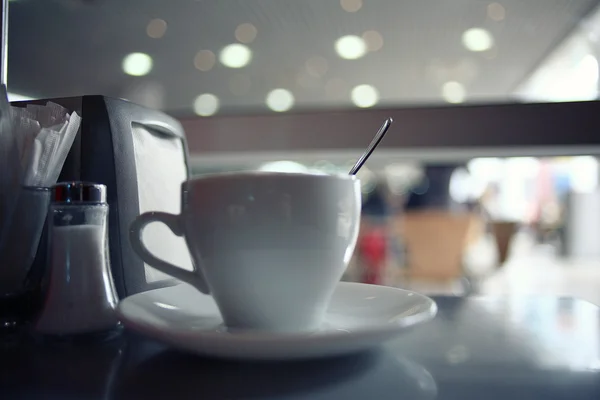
(234, 175)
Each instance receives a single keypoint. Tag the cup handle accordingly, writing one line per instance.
(194, 277)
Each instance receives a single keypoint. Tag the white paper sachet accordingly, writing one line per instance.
(67, 138)
(22, 113)
(45, 151)
(48, 115)
(45, 146)
(28, 130)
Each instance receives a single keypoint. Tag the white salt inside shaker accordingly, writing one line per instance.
(81, 297)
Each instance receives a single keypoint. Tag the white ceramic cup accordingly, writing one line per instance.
(269, 247)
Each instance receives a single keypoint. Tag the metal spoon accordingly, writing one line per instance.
(380, 134)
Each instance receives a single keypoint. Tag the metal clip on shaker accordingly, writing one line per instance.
(81, 297)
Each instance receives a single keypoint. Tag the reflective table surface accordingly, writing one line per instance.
(476, 348)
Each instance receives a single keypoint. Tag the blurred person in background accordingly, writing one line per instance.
(545, 215)
(373, 249)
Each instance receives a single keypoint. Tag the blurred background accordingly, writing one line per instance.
(488, 181)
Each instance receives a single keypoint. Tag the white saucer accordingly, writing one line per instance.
(359, 316)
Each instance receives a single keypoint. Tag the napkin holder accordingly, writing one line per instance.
(141, 156)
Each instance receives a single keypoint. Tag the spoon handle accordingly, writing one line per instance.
(380, 134)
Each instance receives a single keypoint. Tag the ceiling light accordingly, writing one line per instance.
(496, 11)
(351, 5)
(453, 92)
(350, 47)
(206, 104)
(204, 60)
(280, 100)
(477, 39)
(316, 66)
(235, 55)
(373, 40)
(137, 64)
(156, 28)
(245, 33)
(364, 96)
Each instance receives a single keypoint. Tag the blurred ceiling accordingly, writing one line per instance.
(74, 47)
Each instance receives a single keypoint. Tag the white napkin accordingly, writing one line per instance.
(48, 151)
(48, 115)
(34, 143)
(29, 129)
(44, 136)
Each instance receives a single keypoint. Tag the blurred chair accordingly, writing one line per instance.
(435, 242)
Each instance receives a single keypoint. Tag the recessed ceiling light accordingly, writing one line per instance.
(206, 104)
(204, 60)
(364, 96)
(453, 92)
(245, 33)
(235, 55)
(496, 11)
(137, 64)
(350, 47)
(373, 40)
(156, 28)
(351, 5)
(280, 100)
(477, 39)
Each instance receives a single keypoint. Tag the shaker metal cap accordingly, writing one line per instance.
(78, 192)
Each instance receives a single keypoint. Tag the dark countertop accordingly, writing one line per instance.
(476, 348)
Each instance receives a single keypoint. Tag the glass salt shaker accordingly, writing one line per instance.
(81, 297)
